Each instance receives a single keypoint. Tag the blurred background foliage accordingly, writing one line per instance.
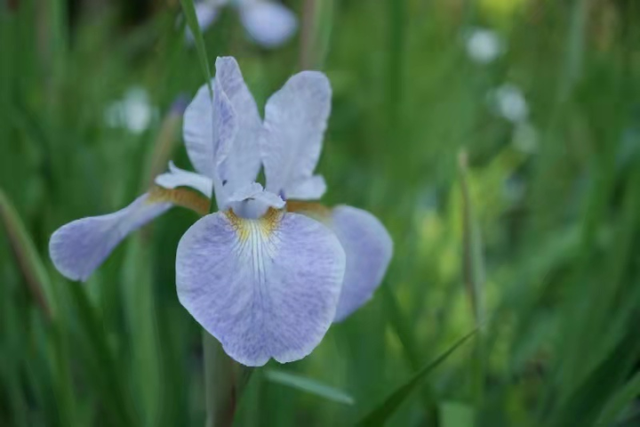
(528, 226)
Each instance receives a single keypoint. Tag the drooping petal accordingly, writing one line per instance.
(177, 177)
(268, 23)
(295, 121)
(78, 248)
(265, 288)
(243, 162)
(368, 248)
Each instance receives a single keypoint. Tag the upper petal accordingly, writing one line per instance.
(264, 288)
(268, 23)
(243, 162)
(295, 121)
(198, 132)
(78, 248)
(368, 248)
(222, 134)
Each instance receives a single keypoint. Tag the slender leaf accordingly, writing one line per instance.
(309, 385)
(192, 21)
(381, 413)
(620, 400)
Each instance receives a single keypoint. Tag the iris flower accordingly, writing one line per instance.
(268, 22)
(270, 271)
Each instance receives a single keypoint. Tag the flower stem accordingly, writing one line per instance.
(225, 381)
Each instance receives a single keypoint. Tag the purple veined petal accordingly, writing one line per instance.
(177, 177)
(222, 136)
(295, 121)
(268, 23)
(265, 288)
(307, 189)
(79, 247)
(197, 130)
(243, 162)
(210, 127)
(368, 248)
(206, 13)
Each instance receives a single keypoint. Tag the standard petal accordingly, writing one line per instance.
(177, 177)
(197, 129)
(368, 248)
(243, 162)
(268, 23)
(78, 248)
(295, 121)
(222, 136)
(265, 288)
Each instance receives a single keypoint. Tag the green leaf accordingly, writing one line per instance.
(388, 407)
(27, 257)
(39, 284)
(586, 402)
(192, 22)
(619, 401)
(309, 385)
(454, 414)
(100, 361)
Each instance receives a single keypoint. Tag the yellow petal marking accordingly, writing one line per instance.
(180, 197)
(265, 225)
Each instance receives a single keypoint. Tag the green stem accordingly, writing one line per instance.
(225, 381)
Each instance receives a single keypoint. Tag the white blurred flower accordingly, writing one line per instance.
(510, 103)
(134, 112)
(267, 22)
(525, 138)
(484, 45)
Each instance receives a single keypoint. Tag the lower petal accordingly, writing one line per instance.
(265, 288)
(368, 248)
(78, 248)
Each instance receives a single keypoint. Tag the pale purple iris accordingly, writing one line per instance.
(268, 22)
(264, 276)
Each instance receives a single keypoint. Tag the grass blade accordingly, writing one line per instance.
(27, 258)
(192, 21)
(619, 401)
(309, 385)
(384, 410)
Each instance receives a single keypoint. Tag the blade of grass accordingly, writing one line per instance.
(27, 258)
(192, 21)
(37, 279)
(621, 399)
(584, 405)
(309, 385)
(104, 371)
(381, 413)
(474, 276)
